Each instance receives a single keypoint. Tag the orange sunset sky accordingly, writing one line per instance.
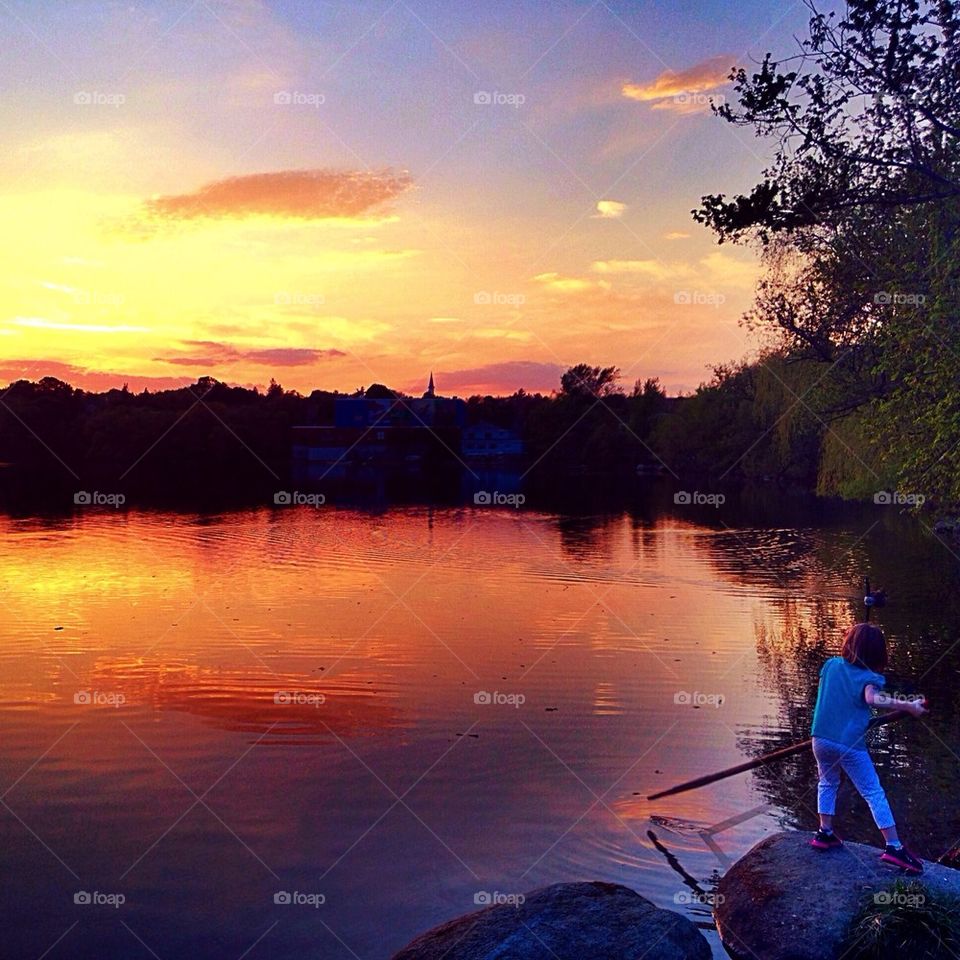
(337, 193)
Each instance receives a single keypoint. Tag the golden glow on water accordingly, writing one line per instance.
(309, 667)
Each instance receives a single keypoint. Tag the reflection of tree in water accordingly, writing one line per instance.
(585, 538)
(916, 760)
(763, 557)
(815, 558)
(809, 557)
(790, 653)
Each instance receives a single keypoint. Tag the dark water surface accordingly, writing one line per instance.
(200, 713)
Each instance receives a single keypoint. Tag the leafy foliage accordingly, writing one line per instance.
(857, 218)
(866, 117)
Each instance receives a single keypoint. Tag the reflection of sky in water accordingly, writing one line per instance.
(377, 779)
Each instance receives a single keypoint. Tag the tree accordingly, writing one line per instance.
(857, 217)
(377, 391)
(584, 381)
(866, 117)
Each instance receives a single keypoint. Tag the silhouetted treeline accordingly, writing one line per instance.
(217, 445)
(208, 441)
(590, 425)
(211, 443)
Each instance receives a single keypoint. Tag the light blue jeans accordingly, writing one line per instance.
(834, 757)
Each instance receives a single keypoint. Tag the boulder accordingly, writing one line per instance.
(567, 921)
(783, 900)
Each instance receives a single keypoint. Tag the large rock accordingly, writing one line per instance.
(568, 921)
(784, 900)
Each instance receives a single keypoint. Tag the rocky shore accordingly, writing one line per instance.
(783, 900)
(569, 921)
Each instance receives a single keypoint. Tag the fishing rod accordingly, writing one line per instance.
(761, 761)
(871, 599)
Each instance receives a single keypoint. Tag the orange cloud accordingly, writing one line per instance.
(215, 354)
(296, 194)
(560, 284)
(683, 91)
(655, 269)
(717, 268)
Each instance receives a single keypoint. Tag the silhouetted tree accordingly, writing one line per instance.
(586, 381)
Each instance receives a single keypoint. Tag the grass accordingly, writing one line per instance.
(907, 919)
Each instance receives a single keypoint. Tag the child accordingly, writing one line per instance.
(849, 686)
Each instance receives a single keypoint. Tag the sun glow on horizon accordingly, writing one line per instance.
(349, 238)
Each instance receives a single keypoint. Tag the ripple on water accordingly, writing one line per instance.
(202, 622)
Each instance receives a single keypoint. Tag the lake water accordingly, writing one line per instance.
(201, 713)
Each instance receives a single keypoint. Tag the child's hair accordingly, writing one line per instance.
(865, 646)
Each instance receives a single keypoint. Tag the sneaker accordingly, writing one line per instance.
(825, 841)
(902, 858)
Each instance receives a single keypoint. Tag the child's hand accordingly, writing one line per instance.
(917, 708)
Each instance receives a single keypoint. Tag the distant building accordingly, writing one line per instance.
(429, 411)
(331, 453)
(486, 440)
(391, 434)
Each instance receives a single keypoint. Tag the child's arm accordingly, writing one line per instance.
(878, 698)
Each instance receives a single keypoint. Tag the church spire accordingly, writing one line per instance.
(431, 392)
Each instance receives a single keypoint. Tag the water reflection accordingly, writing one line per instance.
(402, 794)
(272, 707)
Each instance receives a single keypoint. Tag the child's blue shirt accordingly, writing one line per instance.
(841, 713)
